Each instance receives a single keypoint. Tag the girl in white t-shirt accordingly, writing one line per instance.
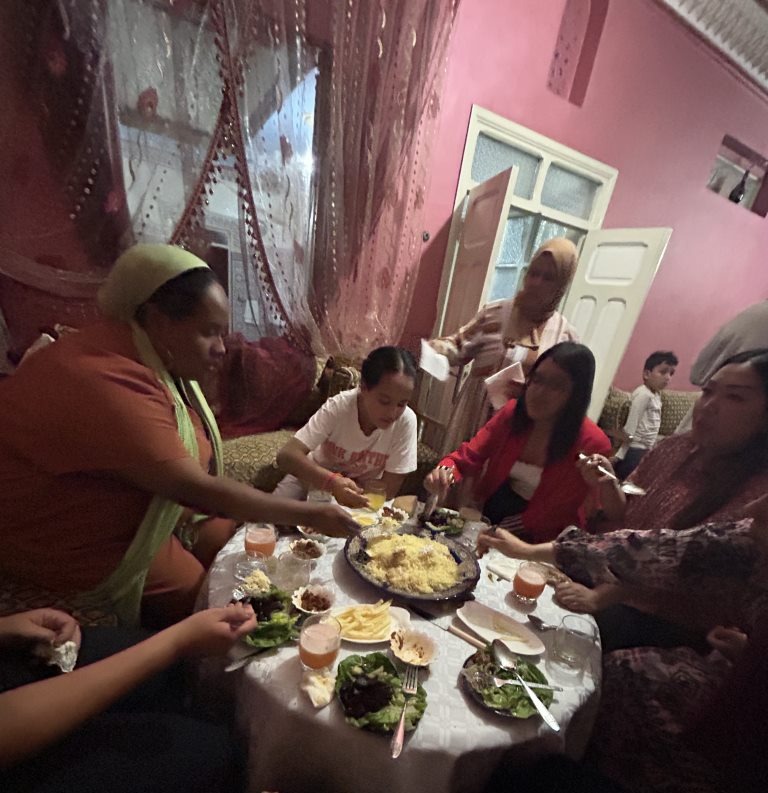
(362, 434)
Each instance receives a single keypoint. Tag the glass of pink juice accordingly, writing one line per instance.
(319, 641)
(528, 583)
(260, 539)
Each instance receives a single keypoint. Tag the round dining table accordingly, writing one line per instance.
(295, 748)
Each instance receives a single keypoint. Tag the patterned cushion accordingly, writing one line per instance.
(251, 458)
(344, 377)
(615, 409)
(674, 407)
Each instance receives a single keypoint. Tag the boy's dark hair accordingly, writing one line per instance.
(578, 363)
(659, 357)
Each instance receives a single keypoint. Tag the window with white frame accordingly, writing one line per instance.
(558, 191)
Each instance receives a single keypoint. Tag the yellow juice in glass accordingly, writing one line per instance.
(376, 494)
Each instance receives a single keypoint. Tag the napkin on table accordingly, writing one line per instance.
(318, 685)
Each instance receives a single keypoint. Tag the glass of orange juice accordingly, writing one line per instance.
(376, 493)
(319, 641)
(260, 539)
(528, 583)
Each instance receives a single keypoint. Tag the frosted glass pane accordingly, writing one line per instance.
(517, 239)
(492, 157)
(549, 228)
(569, 192)
(504, 284)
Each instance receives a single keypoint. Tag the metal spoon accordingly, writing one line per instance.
(539, 623)
(507, 660)
(629, 488)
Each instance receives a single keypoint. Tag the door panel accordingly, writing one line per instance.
(616, 269)
(478, 245)
(479, 241)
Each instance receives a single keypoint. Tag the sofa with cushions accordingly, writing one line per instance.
(252, 458)
(674, 407)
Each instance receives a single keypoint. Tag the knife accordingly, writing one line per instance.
(445, 623)
(429, 506)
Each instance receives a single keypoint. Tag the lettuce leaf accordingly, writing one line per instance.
(378, 666)
(280, 626)
(510, 698)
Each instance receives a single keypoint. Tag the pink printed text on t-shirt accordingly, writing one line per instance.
(355, 461)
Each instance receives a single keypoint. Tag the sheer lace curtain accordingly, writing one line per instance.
(286, 141)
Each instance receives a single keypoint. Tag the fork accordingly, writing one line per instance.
(410, 686)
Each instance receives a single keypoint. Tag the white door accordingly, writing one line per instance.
(616, 269)
(482, 230)
(468, 280)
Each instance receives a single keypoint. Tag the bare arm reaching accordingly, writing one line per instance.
(36, 715)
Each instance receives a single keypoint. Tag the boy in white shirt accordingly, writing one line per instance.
(644, 419)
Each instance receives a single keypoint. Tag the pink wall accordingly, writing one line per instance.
(656, 109)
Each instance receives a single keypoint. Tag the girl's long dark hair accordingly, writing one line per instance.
(730, 473)
(578, 363)
(386, 360)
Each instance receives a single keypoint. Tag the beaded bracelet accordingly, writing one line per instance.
(328, 482)
(449, 469)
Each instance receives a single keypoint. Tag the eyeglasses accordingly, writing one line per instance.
(550, 383)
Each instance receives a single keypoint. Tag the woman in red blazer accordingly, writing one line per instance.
(525, 457)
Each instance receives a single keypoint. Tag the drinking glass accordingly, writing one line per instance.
(473, 528)
(528, 583)
(376, 493)
(572, 644)
(319, 641)
(318, 495)
(260, 539)
(291, 572)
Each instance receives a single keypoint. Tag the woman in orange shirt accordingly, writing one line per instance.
(105, 434)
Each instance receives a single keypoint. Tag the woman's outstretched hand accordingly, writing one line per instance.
(503, 541)
(730, 642)
(332, 520)
(438, 482)
(588, 468)
(213, 631)
(39, 626)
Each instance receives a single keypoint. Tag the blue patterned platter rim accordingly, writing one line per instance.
(469, 569)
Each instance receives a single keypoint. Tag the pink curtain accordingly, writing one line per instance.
(283, 140)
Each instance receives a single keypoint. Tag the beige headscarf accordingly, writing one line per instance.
(138, 274)
(564, 255)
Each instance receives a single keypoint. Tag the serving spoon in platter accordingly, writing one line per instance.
(507, 660)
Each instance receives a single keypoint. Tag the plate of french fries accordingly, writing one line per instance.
(370, 623)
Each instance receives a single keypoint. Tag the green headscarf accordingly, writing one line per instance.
(139, 273)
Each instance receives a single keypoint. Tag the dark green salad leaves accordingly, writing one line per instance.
(371, 694)
(277, 619)
(445, 521)
(512, 700)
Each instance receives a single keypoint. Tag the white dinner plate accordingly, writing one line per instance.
(490, 624)
(400, 618)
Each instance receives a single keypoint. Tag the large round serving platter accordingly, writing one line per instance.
(469, 569)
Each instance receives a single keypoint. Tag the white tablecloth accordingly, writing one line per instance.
(295, 748)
